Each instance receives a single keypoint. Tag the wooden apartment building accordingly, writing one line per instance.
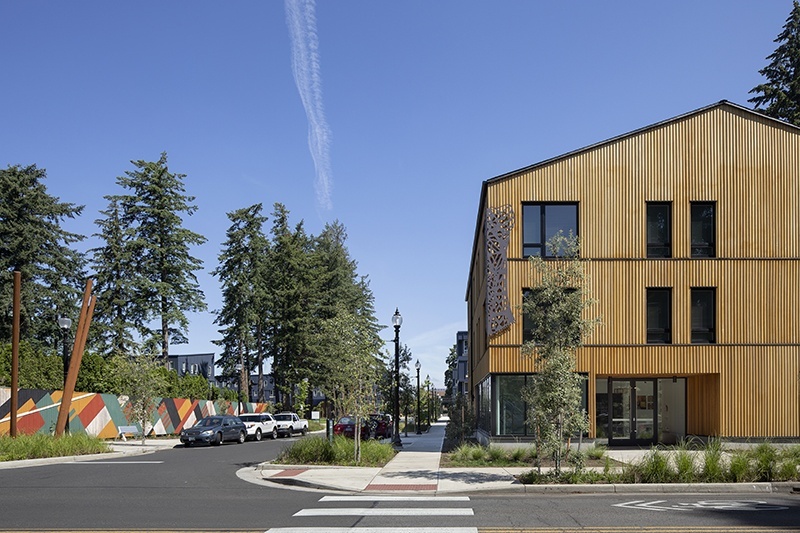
(690, 227)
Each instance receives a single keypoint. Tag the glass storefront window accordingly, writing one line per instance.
(510, 405)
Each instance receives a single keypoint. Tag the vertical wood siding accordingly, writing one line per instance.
(747, 384)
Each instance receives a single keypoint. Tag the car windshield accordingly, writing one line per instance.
(206, 422)
(347, 420)
(284, 418)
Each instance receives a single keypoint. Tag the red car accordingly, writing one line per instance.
(381, 425)
(346, 427)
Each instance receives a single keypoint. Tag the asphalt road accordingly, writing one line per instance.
(197, 489)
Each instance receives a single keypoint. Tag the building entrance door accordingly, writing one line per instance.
(634, 408)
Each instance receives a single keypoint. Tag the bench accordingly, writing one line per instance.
(128, 430)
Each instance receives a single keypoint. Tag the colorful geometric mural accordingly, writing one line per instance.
(100, 415)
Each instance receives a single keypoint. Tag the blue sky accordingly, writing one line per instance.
(388, 119)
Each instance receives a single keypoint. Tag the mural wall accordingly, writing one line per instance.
(101, 414)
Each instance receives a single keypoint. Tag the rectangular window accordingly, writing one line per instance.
(540, 222)
(659, 229)
(703, 316)
(703, 229)
(659, 316)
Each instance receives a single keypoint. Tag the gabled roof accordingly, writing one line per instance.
(513, 173)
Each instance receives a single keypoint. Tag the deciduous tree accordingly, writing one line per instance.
(555, 310)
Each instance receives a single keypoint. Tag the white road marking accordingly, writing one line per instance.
(394, 498)
(419, 511)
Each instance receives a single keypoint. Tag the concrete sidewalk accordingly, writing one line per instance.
(415, 469)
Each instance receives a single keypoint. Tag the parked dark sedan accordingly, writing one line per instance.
(214, 430)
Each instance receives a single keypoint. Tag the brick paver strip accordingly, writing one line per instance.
(400, 486)
(290, 472)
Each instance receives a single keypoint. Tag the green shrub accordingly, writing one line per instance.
(739, 468)
(655, 468)
(495, 454)
(684, 466)
(476, 453)
(596, 452)
(317, 450)
(765, 461)
(713, 467)
(38, 446)
(518, 455)
(787, 470)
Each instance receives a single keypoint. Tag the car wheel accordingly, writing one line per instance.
(187, 444)
(258, 435)
(217, 439)
(304, 431)
(242, 437)
(274, 433)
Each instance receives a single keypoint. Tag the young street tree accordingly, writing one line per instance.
(141, 379)
(162, 270)
(554, 311)
(350, 346)
(779, 97)
(33, 242)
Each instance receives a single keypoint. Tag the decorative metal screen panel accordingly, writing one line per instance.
(498, 226)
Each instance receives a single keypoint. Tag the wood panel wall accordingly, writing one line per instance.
(748, 383)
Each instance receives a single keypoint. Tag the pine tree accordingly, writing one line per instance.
(289, 285)
(780, 96)
(241, 264)
(33, 242)
(115, 314)
(164, 280)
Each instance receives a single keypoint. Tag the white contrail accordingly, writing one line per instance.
(302, 22)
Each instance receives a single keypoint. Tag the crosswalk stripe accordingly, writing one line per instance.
(374, 530)
(394, 499)
(405, 511)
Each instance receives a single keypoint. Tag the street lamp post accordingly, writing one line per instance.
(430, 411)
(419, 418)
(65, 323)
(397, 321)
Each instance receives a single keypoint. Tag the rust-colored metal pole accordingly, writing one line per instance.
(15, 352)
(87, 308)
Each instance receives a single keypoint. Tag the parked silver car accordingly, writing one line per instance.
(259, 425)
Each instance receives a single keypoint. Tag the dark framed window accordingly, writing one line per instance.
(659, 229)
(542, 221)
(659, 316)
(704, 315)
(703, 229)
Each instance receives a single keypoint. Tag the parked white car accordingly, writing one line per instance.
(259, 425)
(290, 423)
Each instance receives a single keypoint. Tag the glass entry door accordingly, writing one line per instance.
(634, 404)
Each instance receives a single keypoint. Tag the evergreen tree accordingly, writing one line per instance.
(33, 242)
(115, 316)
(163, 274)
(779, 97)
(290, 288)
(241, 264)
